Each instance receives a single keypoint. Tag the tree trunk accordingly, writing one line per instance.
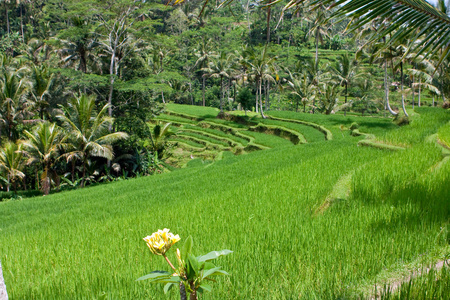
(260, 100)
(268, 25)
(7, 18)
(401, 89)
(221, 94)
(162, 96)
(412, 89)
(21, 23)
(257, 91)
(203, 89)
(317, 49)
(345, 101)
(3, 292)
(418, 96)
(386, 89)
(183, 295)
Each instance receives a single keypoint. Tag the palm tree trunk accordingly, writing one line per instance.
(21, 23)
(203, 89)
(221, 94)
(401, 89)
(268, 25)
(345, 101)
(257, 91)
(317, 48)
(386, 89)
(260, 100)
(412, 89)
(418, 96)
(7, 18)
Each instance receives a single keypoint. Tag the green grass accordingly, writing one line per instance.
(219, 134)
(311, 134)
(267, 139)
(83, 243)
(434, 285)
(444, 135)
(203, 137)
(186, 141)
(197, 111)
(175, 119)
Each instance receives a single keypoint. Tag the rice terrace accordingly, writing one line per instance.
(226, 150)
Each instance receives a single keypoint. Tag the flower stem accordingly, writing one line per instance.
(170, 264)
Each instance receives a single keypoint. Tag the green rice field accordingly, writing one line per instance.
(328, 219)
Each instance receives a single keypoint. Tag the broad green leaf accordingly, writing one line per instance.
(191, 267)
(187, 248)
(172, 279)
(205, 287)
(209, 272)
(213, 255)
(155, 275)
(168, 286)
(220, 272)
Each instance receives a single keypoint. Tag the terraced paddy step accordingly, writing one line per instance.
(310, 133)
(201, 140)
(293, 136)
(324, 130)
(229, 138)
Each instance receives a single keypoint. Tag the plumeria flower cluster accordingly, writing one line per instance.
(161, 241)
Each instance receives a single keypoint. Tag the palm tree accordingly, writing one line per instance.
(345, 69)
(158, 139)
(220, 67)
(88, 131)
(41, 82)
(261, 68)
(319, 29)
(204, 55)
(329, 98)
(12, 88)
(416, 19)
(303, 90)
(43, 148)
(12, 163)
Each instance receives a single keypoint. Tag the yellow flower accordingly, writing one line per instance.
(161, 241)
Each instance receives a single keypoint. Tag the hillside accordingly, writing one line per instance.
(324, 218)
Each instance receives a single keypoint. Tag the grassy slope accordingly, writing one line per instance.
(261, 205)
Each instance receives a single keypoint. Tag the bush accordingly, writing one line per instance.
(354, 126)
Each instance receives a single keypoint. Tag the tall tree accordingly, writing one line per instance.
(261, 68)
(12, 163)
(220, 67)
(345, 69)
(43, 147)
(88, 131)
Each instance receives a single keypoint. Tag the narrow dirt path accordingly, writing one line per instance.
(395, 285)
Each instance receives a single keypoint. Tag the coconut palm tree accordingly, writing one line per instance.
(345, 69)
(12, 163)
(261, 67)
(43, 148)
(88, 131)
(303, 90)
(220, 67)
(41, 82)
(204, 55)
(159, 137)
(12, 88)
(416, 19)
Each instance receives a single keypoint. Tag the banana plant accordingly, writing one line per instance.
(193, 273)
